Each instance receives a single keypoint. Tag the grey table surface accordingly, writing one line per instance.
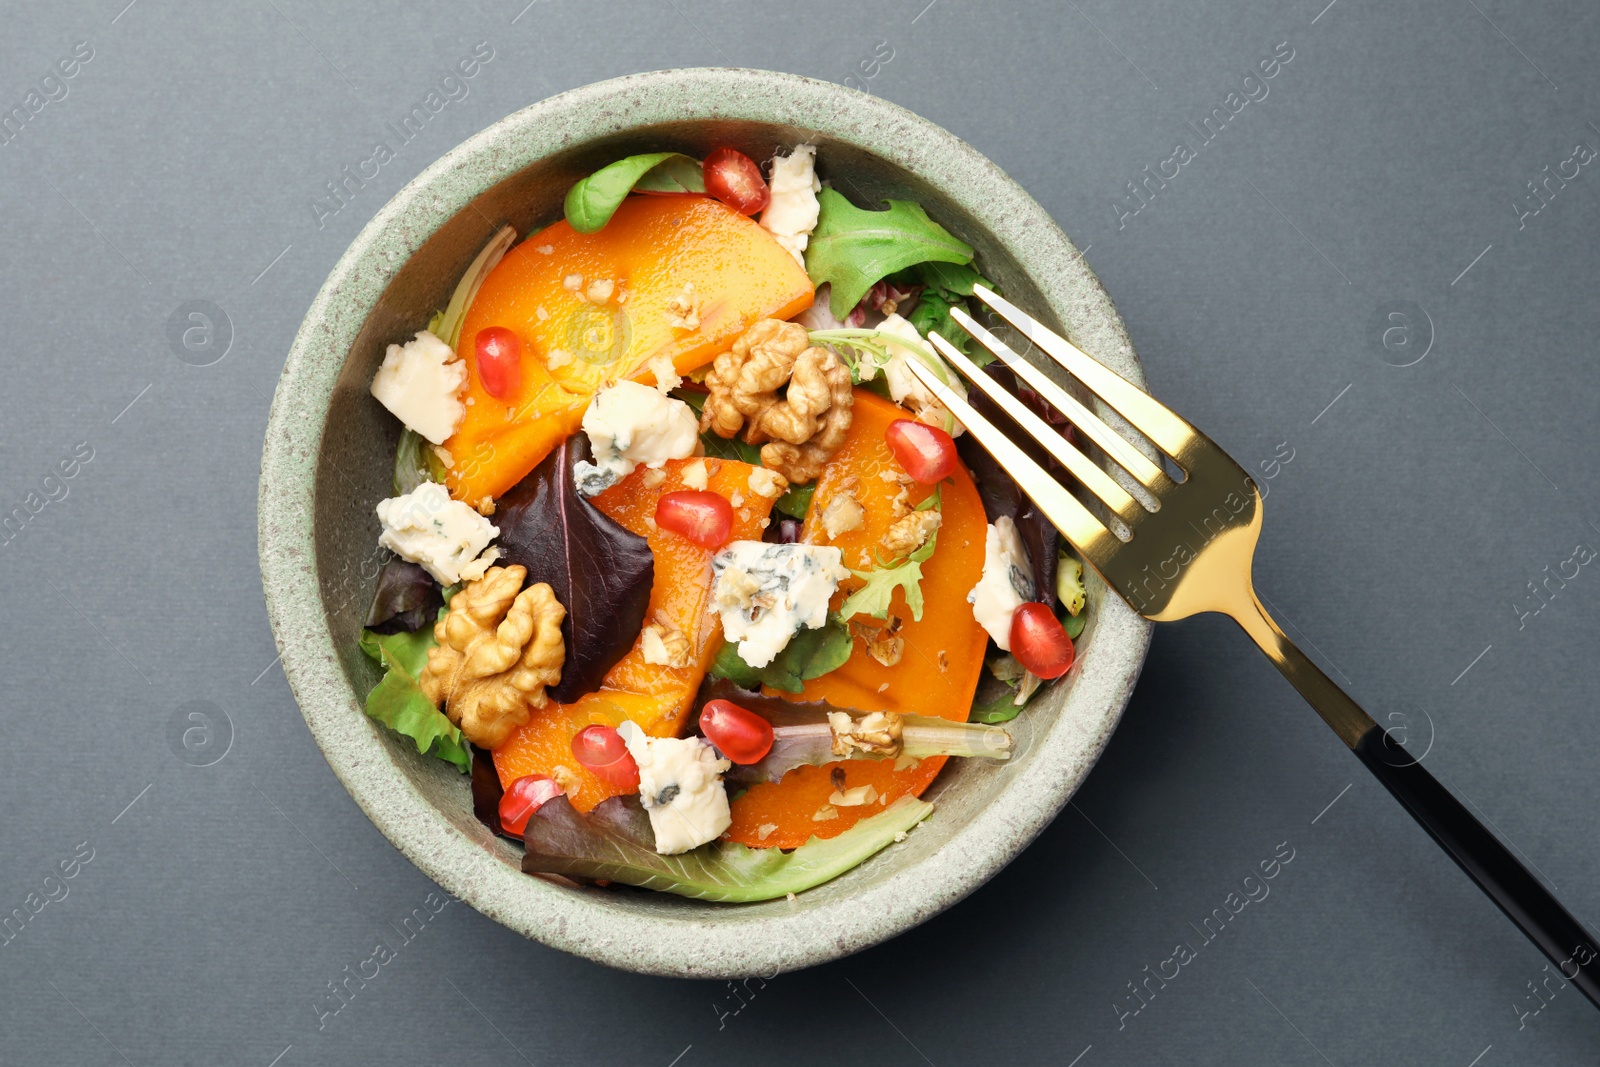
(1352, 287)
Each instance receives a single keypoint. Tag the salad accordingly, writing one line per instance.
(690, 572)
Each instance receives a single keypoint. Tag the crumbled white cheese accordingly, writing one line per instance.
(766, 593)
(680, 786)
(683, 310)
(557, 358)
(631, 425)
(695, 475)
(904, 387)
(420, 382)
(446, 536)
(1007, 581)
(600, 290)
(792, 213)
(667, 376)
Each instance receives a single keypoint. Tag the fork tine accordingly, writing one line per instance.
(1150, 417)
(1077, 524)
(1089, 474)
(1110, 441)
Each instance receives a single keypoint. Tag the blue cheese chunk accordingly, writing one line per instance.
(632, 425)
(447, 537)
(1007, 581)
(420, 382)
(680, 786)
(766, 593)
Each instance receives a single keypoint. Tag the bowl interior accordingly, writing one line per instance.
(523, 184)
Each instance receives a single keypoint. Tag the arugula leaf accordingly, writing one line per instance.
(809, 654)
(852, 248)
(591, 203)
(957, 278)
(874, 597)
(614, 843)
(932, 315)
(398, 701)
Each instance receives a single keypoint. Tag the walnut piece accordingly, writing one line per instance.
(664, 645)
(798, 431)
(499, 647)
(884, 643)
(877, 734)
(843, 514)
(910, 532)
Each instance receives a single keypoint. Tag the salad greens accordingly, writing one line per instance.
(601, 572)
(809, 654)
(415, 462)
(866, 352)
(614, 843)
(852, 248)
(947, 286)
(591, 203)
(802, 736)
(407, 598)
(446, 324)
(398, 702)
(875, 597)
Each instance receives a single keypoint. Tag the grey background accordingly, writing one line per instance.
(1420, 500)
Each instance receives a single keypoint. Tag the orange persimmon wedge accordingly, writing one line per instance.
(658, 698)
(598, 303)
(936, 675)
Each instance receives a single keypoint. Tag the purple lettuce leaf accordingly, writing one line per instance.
(614, 843)
(406, 599)
(600, 571)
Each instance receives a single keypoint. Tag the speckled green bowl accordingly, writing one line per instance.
(327, 461)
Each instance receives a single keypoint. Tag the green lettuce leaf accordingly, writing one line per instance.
(591, 203)
(852, 248)
(415, 462)
(446, 325)
(614, 843)
(797, 501)
(875, 597)
(809, 654)
(398, 702)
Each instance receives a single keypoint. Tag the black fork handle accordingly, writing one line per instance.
(1480, 853)
(1486, 860)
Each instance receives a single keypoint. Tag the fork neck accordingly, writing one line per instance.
(1340, 712)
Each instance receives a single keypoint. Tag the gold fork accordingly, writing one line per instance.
(1185, 546)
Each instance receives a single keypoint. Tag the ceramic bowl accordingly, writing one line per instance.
(328, 456)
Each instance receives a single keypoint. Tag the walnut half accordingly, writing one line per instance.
(499, 647)
(803, 428)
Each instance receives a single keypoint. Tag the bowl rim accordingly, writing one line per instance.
(582, 922)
